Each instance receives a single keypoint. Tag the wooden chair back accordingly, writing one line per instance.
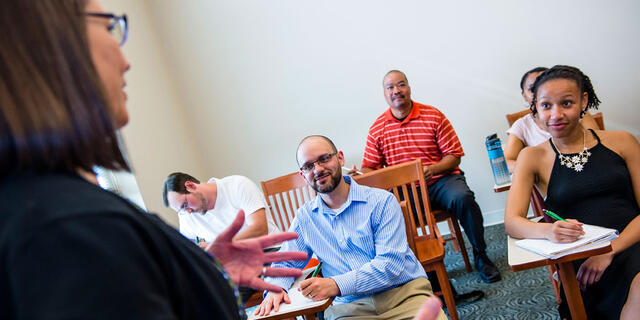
(285, 195)
(407, 227)
(599, 120)
(404, 179)
(512, 117)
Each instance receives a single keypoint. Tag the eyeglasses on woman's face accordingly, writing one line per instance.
(117, 27)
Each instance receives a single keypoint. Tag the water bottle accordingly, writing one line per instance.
(496, 158)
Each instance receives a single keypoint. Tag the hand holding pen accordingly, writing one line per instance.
(564, 231)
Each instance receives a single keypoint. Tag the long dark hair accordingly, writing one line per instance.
(566, 72)
(54, 114)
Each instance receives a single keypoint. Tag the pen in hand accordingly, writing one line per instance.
(315, 273)
(553, 215)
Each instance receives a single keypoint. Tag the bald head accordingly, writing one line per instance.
(314, 140)
(397, 72)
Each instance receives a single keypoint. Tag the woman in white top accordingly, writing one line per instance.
(527, 131)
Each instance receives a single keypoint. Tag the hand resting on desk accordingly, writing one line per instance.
(244, 259)
(313, 288)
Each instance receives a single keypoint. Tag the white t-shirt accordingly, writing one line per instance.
(528, 131)
(234, 193)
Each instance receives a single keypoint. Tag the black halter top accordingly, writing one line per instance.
(601, 194)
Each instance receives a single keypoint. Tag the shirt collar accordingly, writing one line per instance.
(415, 112)
(356, 193)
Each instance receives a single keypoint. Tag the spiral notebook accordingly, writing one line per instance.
(592, 235)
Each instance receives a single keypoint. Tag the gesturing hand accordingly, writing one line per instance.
(591, 270)
(243, 259)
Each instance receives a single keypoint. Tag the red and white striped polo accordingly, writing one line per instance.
(425, 133)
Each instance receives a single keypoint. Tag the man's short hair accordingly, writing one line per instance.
(333, 146)
(175, 182)
(396, 71)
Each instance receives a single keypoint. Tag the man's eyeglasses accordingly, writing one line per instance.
(118, 26)
(307, 167)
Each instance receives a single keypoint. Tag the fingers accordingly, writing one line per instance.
(271, 301)
(282, 272)
(283, 256)
(430, 309)
(570, 226)
(576, 222)
(308, 286)
(566, 231)
(267, 241)
(304, 284)
(230, 232)
(260, 284)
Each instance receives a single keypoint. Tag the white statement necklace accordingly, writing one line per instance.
(578, 161)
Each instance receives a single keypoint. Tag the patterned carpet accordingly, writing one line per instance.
(519, 295)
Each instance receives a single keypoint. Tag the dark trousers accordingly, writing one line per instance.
(452, 193)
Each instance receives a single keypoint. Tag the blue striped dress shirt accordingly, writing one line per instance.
(362, 245)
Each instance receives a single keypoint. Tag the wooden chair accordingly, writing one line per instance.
(512, 117)
(455, 235)
(599, 120)
(292, 188)
(537, 206)
(420, 223)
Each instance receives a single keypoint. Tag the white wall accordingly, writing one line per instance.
(254, 77)
(158, 137)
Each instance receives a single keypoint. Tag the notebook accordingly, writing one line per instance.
(298, 301)
(551, 250)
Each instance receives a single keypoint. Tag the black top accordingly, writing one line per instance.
(601, 194)
(70, 250)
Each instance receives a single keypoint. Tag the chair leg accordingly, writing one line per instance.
(460, 240)
(447, 293)
(556, 284)
(454, 236)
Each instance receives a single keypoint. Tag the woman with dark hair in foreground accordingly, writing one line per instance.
(69, 249)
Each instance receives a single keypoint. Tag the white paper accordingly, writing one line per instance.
(553, 250)
(298, 301)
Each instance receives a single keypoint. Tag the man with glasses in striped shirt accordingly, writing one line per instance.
(358, 234)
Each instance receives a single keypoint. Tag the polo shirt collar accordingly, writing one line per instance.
(356, 193)
(415, 112)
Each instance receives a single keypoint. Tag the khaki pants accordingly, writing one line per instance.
(401, 302)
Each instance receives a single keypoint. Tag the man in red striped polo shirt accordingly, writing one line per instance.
(409, 130)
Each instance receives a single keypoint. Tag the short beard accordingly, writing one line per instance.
(332, 185)
(204, 204)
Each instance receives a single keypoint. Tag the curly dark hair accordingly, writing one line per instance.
(566, 72)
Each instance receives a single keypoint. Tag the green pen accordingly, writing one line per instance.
(315, 273)
(197, 240)
(553, 215)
